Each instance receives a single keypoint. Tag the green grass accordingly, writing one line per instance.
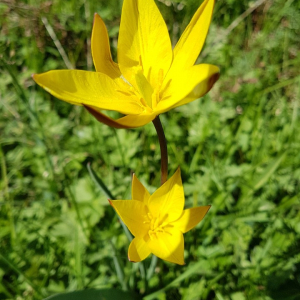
(238, 148)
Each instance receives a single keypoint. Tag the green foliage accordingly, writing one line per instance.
(238, 148)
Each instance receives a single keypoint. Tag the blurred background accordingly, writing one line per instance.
(238, 149)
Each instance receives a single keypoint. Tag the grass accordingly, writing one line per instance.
(238, 149)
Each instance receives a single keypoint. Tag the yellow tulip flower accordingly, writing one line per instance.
(158, 221)
(150, 77)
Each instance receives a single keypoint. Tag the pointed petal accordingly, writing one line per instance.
(200, 90)
(190, 218)
(138, 191)
(191, 84)
(144, 40)
(168, 245)
(101, 50)
(168, 200)
(90, 88)
(133, 214)
(130, 121)
(138, 250)
(192, 40)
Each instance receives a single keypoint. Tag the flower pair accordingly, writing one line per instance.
(149, 79)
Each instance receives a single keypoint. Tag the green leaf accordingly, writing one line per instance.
(103, 294)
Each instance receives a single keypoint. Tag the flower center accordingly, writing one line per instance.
(146, 87)
(156, 225)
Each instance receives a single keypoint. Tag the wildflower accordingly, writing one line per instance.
(149, 79)
(158, 221)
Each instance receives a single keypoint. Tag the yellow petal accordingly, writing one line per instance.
(168, 200)
(143, 40)
(89, 88)
(200, 90)
(168, 245)
(101, 50)
(190, 218)
(191, 41)
(138, 250)
(130, 121)
(191, 84)
(138, 191)
(132, 213)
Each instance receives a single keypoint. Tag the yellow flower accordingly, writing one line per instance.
(149, 79)
(158, 221)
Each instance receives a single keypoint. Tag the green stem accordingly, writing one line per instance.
(163, 149)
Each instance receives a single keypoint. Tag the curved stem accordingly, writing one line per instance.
(163, 149)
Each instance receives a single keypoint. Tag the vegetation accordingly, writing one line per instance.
(238, 149)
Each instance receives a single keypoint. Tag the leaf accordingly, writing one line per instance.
(102, 294)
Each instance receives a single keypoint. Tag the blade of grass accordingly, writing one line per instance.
(152, 267)
(108, 194)
(9, 201)
(101, 185)
(57, 43)
(119, 147)
(21, 273)
(118, 267)
(270, 169)
(280, 85)
(75, 205)
(5, 291)
(78, 260)
(195, 159)
(87, 13)
(188, 273)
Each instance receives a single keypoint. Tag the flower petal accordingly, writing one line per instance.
(192, 40)
(168, 245)
(101, 50)
(200, 90)
(168, 200)
(143, 41)
(138, 250)
(190, 218)
(188, 85)
(138, 191)
(133, 214)
(129, 121)
(90, 88)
